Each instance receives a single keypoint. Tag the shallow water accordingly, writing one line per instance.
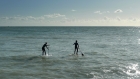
(110, 53)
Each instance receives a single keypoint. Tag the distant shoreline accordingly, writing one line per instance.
(69, 26)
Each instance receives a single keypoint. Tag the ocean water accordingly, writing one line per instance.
(110, 53)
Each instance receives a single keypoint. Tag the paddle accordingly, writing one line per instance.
(81, 52)
(48, 51)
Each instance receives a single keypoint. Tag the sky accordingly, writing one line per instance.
(69, 13)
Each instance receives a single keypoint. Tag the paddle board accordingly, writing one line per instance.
(47, 55)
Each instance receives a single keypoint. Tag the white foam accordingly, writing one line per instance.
(133, 70)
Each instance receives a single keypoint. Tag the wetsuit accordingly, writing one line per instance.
(43, 49)
(76, 47)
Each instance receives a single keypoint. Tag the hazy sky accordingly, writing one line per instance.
(69, 12)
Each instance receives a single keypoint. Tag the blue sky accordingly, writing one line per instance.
(69, 13)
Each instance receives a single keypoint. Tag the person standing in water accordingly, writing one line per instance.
(76, 47)
(43, 48)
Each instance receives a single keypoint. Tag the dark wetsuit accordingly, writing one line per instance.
(76, 47)
(43, 49)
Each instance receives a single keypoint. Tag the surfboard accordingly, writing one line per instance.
(76, 55)
(47, 55)
(73, 55)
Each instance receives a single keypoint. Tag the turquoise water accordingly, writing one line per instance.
(110, 53)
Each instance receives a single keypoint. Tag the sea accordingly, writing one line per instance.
(110, 52)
